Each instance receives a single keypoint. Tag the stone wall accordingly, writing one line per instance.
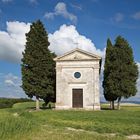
(89, 82)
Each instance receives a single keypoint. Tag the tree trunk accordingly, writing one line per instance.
(110, 104)
(47, 100)
(118, 105)
(113, 107)
(37, 103)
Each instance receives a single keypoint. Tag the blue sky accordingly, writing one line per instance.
(91, 21)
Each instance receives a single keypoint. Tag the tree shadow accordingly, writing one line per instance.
(47, 108)
(105, 108)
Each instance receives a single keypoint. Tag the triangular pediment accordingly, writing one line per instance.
(77, 54)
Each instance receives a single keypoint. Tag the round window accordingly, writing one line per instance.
(77, 74)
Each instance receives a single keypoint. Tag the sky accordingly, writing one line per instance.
(76, 23)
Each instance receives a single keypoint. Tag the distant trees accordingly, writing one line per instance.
(120, 71)
(38, 67)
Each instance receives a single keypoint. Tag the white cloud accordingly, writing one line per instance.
(12, 44)
(61, 10)
(68, 38)
(10, 86)
(13, 40)
(49, 15)
(9, 82)
(136, 16)
(62, 40)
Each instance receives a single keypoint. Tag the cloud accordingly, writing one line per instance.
(68, 38)
(6, 1)
(118, 17)
(10, 86)
(9, 82)
(12, 44)
(12, 41)
(10, 76)
(33, 1)
(136, 16)
(76, 6)
(61, 10)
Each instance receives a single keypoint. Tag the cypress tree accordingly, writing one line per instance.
(108, 75)
(121, 71)
(126, 72)
(38, 67)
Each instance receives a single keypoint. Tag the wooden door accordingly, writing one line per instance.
(77, 98)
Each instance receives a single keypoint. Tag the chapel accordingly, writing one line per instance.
(77, 80)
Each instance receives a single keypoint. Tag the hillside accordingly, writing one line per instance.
(24, 123)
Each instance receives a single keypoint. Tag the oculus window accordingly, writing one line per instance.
(77, 75)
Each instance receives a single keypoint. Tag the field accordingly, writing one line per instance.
(22, 122)
(9, 102)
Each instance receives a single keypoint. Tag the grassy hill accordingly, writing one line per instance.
(9, 102)
(24, 123)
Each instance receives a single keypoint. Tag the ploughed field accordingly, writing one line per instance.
(22, 122)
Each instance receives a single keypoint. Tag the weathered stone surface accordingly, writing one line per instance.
(88, 65)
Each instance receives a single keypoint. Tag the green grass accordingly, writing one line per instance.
(9, 102)
(24, 123)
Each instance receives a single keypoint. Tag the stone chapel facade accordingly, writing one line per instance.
(77, 80)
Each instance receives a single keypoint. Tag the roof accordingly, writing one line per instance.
(77, 54)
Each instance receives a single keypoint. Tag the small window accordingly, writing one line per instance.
(77, 74)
